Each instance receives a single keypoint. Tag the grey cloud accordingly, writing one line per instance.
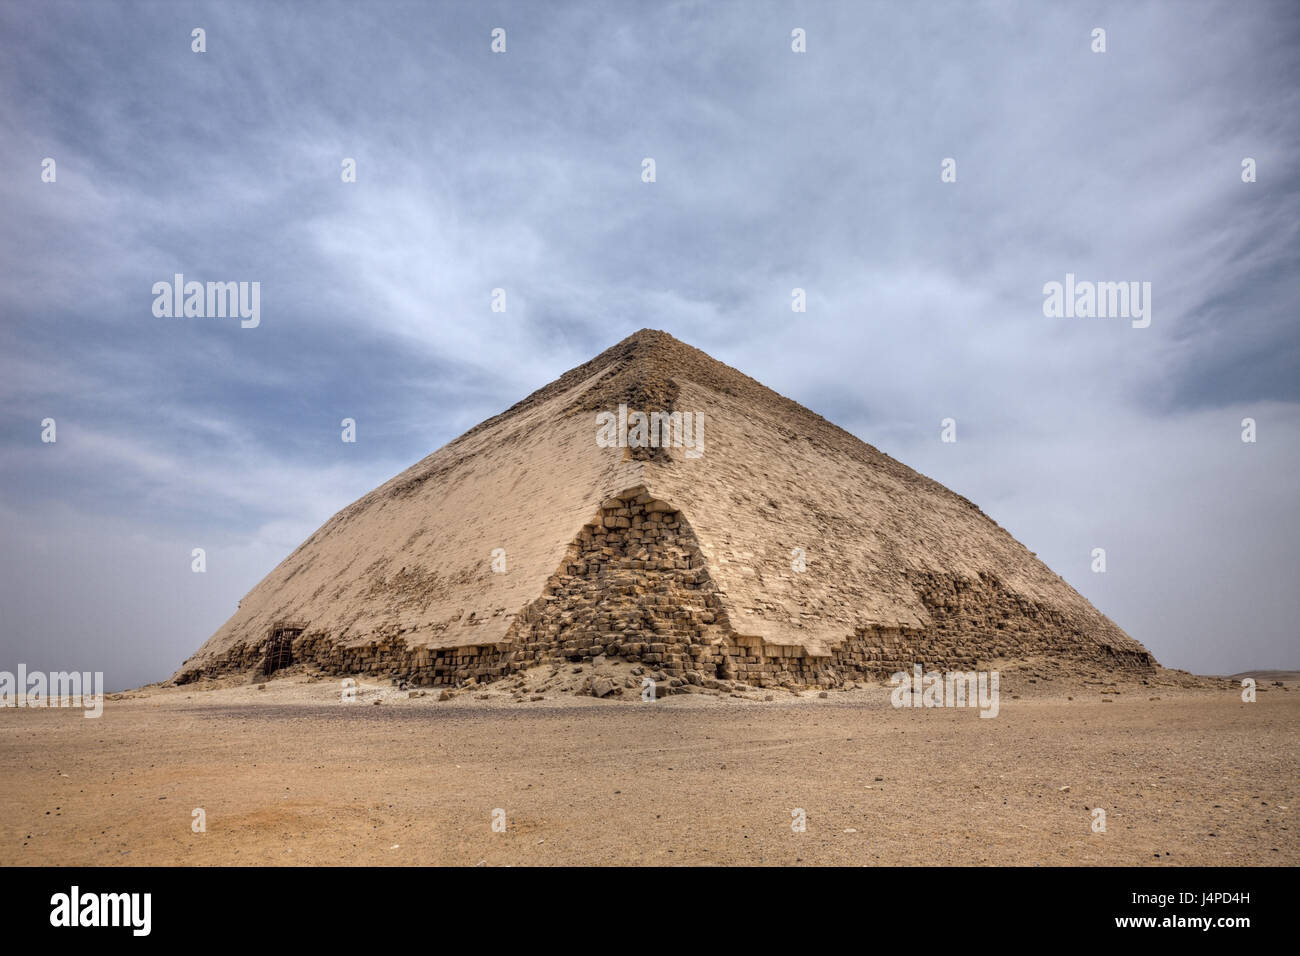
(522, 171)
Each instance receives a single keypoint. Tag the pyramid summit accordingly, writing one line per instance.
(655, 505)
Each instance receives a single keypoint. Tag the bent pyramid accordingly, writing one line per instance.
(779, 549)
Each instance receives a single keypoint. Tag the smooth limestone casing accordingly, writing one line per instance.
(899, 570)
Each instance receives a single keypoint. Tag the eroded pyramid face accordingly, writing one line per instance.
(656, 505)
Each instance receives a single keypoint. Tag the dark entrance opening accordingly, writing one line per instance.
(724, 670)
(279, 647)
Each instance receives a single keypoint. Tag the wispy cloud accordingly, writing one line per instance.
(775, 170)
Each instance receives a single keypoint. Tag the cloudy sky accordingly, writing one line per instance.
(774, 170)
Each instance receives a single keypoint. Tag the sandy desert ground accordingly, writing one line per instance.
(289, 774)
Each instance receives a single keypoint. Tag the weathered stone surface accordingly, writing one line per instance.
(685, 565)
